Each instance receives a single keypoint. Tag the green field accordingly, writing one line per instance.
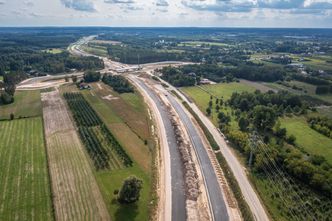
(316, 62)
(24, 184)
(200, 43)
(54, 50)
(26, 104)
(125, 116)
(1, 78)
(308, 89)
(308, 139)
(201, 96)
(96, 49)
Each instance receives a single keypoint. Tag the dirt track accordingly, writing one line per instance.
(76, 195)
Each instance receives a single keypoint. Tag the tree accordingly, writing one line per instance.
(74, 78)
(243, 124)
(291, 139)
(66, 78)
(10, 89)
(208, 111)
(223, 118)
(263, 117)
(130, 190)
(6, 98)
(210, 103)
(221, 102)
(217, 108)
(91, 76)
(11, 116)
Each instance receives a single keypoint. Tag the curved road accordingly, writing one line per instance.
(178, 205)
(217, 203)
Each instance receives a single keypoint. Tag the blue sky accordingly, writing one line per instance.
(218, 13)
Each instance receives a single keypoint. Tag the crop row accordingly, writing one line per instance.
(116, 146)
(95, 149)
(87, 120)
(83, 113)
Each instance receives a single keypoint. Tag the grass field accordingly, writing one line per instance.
(308, 139)
(24, 185)
(317, 62)
(1, 78)
(308, 89)
(96, 49)
(200, 43)
(26, 104)
(201, 96)
(125, 116)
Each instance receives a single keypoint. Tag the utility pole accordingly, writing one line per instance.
(253, 140)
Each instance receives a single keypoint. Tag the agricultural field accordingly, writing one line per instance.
(1, 78)
(25, 192)
(126, 117)
(308, 139)
(26, 104)
(201, 96)
(101, 145)
(75, 190)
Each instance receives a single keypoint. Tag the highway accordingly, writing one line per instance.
(217, 202)
(238, 170)
(178, 205)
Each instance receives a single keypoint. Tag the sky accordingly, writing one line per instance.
(167, 13)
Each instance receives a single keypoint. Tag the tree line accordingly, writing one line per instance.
(260, 111)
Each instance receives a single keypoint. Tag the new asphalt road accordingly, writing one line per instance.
(217, 203)
(177, 178)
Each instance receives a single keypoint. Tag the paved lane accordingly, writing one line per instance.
(217, 202)
(177, 180)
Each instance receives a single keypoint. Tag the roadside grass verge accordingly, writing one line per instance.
(308, 139)
(232, 182)
(26, 104)
(24, 182)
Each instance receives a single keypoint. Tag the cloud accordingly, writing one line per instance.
(219, 5)
(249, 5)
(119, 1)
(162, 3)
(79, 5)
(2, 2)
(29, 3)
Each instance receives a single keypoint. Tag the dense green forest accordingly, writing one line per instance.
(29, 54)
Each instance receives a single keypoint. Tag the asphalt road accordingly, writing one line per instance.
(217, 203)
(177, 178)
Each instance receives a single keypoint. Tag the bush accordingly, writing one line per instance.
(130, 190)
(91, 76)
(6, 98)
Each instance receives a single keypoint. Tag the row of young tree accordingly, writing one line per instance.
(88, 122)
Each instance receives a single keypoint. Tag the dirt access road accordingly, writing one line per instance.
(76, 195)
